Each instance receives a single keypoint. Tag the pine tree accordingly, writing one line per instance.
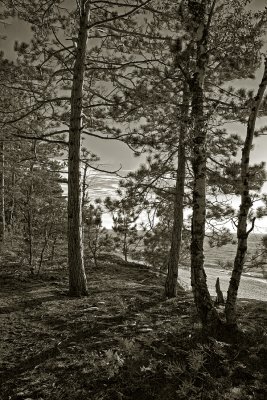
(245, 206)
(61, 81)
(125, 214)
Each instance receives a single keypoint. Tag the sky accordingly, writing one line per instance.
(114, 154)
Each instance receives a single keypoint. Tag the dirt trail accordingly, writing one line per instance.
(250, 287)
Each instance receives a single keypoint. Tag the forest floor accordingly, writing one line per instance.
(123, 342)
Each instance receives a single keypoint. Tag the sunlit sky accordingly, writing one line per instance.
(114, 153)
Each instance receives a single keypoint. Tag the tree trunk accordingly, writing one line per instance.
(2, 192)
(125, 247)
(84, 200)
(52, 255)
(95, 260)
(29, 214)
(246, 203)
(42, 252)
(12, 206)
(77, 277)
(29, 238)
(84, 186)
(219, 298)
(206, 311)
(45, 244)
(172, 274)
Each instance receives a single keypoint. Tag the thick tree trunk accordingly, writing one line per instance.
(246, 203)
(172, 274)
(77, 277)
(204, 304)
(2, 192)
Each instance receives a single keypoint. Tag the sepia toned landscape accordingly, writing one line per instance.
(133, 200)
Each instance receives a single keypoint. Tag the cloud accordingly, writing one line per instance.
(99, 184)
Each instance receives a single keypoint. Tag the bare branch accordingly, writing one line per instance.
(39, 138)
(252, 226)
(99, 169)
(127, 14)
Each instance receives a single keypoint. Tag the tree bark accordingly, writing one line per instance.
(84, 200)
(29, 239)
(77, 277)
(246, 203)
(84, 186)
(29, 216)
(10, 221)
(219, 298)
(52, 255)
(2, 192)
(206, 311)
(172, 274)
(45, 244)
(125, 247)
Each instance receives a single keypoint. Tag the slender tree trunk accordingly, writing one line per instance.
(246, 203)
(84, 186)
(29, 239)
(125, 247)
(95, 259)
(12, 205)
(93, 245)
(219, 294)
(2, 192)
(29, 214)
(84, 200)
(172, 274)
(204, 304)
(52, 255)
(46, 240)
(42, 252)
(77, 277)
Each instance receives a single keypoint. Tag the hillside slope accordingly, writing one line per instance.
(123, 341)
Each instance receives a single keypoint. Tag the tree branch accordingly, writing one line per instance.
(127, 14)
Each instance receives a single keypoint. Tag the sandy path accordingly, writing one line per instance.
(250, 287)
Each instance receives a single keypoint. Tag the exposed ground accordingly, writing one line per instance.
(124, 341)
(251, 287)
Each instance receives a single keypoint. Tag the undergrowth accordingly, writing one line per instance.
(123, 341)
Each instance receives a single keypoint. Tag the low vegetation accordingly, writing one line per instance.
(123, 341)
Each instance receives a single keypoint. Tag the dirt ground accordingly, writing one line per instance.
(123, 341)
